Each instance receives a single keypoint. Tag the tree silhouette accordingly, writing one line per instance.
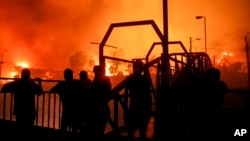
(78, 61)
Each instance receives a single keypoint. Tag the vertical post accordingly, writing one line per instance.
(248, 72)
(165, 63)
(214, 61)
(1, 63)
(248, 61)
(190, 43)
(101, 58)
(160, 122)
(205, 32)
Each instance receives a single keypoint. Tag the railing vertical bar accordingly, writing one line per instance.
(37, 107)
(116, 110)
(59, 113)
(11, 105)
(49, 109)
(4, 106)
(43, 110)
(54, 112)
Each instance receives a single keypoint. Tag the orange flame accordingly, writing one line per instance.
(22, 64)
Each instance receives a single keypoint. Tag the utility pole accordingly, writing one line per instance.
(248, 61)
(205, 30)
(1, 63)
(161, 123)
(190, 43)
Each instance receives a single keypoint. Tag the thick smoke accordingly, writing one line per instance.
(46, 33)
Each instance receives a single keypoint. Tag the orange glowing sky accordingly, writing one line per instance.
(46, 33)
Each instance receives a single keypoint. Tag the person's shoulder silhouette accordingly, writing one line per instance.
(24, 90)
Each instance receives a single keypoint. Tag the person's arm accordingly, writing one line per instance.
(39, 88)
(148, 94)
(126, 94)
(108, 90)
(56, 88)
(9, 87)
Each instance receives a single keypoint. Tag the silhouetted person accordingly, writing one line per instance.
(85, 81)
(139, 112)
(99, 111)
(70, 94)
(179, 103)
(215, 90)
(86, 84)
(24, 90)
(209, 106)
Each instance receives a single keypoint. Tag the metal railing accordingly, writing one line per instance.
(49, 108)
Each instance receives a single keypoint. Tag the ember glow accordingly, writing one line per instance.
(224, 59)
(13, 74)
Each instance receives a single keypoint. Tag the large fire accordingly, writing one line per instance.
(224, 59)
(23, 64)
(46, 33)
(112, 68)
(16, 70)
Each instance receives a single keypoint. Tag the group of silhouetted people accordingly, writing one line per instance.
(85, 107)
(85, 102)
(198, 101)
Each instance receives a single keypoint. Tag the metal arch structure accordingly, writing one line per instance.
(171, 42)
(164, 72)
(125, 24)
(200, 62)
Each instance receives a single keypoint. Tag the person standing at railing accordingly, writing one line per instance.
(206, 121)
(98, 108)
(139, 111)
(214, 91)
(86, 85)
(24, 91)
(70, 95)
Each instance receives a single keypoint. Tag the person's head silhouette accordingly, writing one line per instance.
(25, 74)
(138, 66)
(213, 74)
(68, 74)
(99, 71)
(83, 74)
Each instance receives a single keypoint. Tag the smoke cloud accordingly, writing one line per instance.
(46, 33)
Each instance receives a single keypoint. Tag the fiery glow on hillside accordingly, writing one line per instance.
(22, 64)
(224, 59)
